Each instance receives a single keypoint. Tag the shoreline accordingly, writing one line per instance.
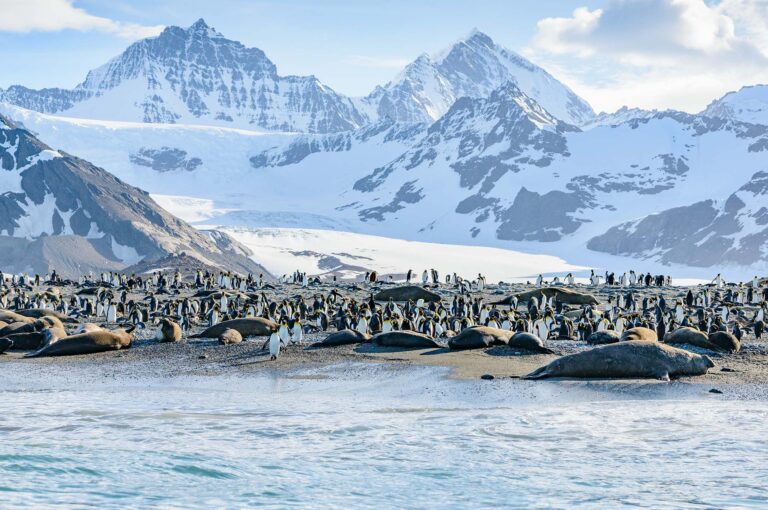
(745, 376)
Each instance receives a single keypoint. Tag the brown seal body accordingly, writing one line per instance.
(10, 317)
(691, 336)
(726, 341)
(608, 336)
(37, 313)
(86, 343)
(404, 339)
(169, 331)
(407, 292)
(639, 333)
(344, 337)
(249, 326)
(31, 327)
(527, 341)
(230, 336)
(479, 337)
(561, 294)
(35, 339)
(630, 359)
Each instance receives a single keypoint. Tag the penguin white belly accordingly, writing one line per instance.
(274, 345)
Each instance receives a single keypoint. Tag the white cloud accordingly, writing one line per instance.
(53, 15)
(658, 53)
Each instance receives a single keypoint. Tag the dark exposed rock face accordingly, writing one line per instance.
(703, 234)
(165, 159)
(66, 213)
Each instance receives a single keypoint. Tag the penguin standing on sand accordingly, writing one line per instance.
(274, 346)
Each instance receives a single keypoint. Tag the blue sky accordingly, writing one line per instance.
(648, 53)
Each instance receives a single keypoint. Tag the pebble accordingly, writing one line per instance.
(487, 377)
(715, 390)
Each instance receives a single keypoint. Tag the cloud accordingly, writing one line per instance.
(376, 62)
(23, 16)
(658, 53)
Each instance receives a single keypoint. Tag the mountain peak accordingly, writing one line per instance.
(472, 67)
(476, 36)
(200, 27)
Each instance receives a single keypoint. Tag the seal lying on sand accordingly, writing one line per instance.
(35, 339)
(169, 331)
(691, 336)
(37, 313)
(639, 333)
(523, 340)
(631, 359)
(230, 336)
(725, 341)
(5, 344)
(10, 317)
(31, 327)
(86, 343)
(479, 337)
(562, 295)
(249, 326)
(608, 336)
(344, 337)
(404, 339)
(412, 292)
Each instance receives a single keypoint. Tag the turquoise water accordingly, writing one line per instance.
(405, 441)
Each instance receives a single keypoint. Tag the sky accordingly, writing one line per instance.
(679, 54)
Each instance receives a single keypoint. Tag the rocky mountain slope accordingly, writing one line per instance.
(707, 233)
(59, 211)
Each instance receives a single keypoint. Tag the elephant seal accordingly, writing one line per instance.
(639, 333)
(5, 344)
(523, 340)
(344, 337)
(86, 343)
(691, 336)
(561, 294)
(230, 336)
(37, 313)
(31, 327)
(608, 336)
(404, 339)
(169, 331)
(249, 326)
(726, 341)
(35, 339)
(10, 317)
(87, 327)
(407, 292)
(630, 359)
(479, 337)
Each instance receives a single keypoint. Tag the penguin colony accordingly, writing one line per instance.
(98, 313)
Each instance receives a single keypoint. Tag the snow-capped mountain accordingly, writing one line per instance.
(750, 104)
(707, 233)
(499, 171)
(620, 116)
(59, 211)
(197, 76)
(473, 67)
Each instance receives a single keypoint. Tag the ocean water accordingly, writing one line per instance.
(381, 440)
